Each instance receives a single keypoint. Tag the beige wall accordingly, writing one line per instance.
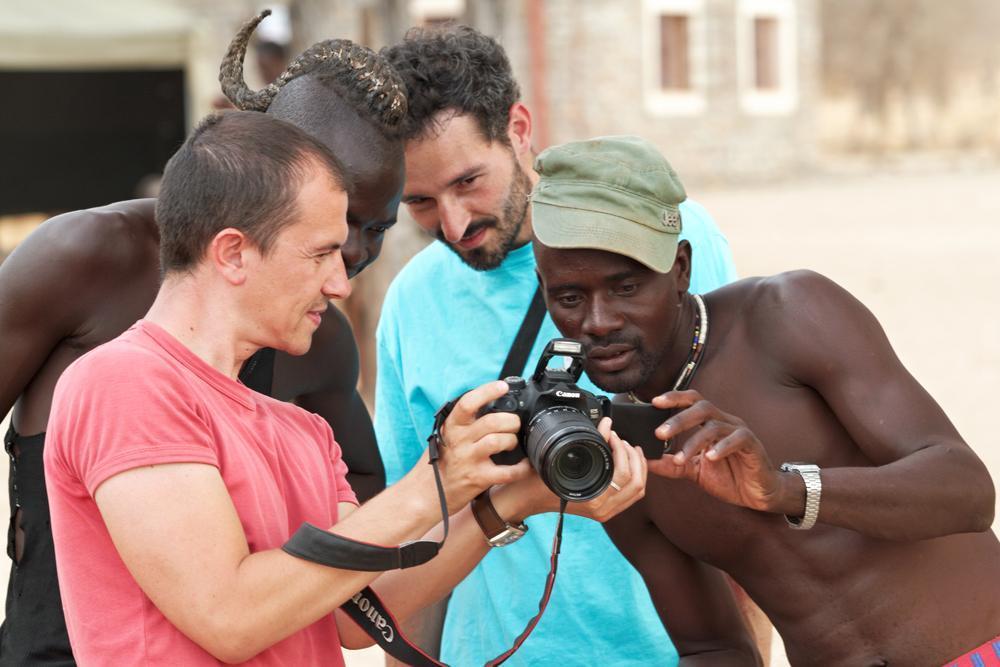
(597, 59)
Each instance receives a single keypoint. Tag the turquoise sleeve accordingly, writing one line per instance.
(712, 261)
(398, 441)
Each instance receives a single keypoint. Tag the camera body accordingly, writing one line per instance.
(559, 425)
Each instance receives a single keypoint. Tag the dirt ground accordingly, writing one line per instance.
(919, 245)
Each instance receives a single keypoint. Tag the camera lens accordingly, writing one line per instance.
(577, 470)
(569, 454)
(575, 462)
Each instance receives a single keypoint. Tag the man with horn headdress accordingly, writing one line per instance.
(84, 277)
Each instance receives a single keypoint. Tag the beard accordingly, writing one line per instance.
(627, 379)
(508, 225)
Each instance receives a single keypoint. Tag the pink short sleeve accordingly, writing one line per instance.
(345, 494)
(112, 413)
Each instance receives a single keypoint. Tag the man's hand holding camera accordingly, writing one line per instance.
(467, 467)
(469, 441)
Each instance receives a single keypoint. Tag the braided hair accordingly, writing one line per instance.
(359, 75)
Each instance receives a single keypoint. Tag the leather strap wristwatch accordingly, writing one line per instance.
(814, 488)
(499, 533)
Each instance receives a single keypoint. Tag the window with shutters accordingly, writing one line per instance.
(767, 56)
(674, 56)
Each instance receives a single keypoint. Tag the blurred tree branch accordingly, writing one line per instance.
(882, 49)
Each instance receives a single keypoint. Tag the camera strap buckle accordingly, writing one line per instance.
(417, 552)
(434, 440)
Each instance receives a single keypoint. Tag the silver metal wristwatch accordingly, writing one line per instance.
(814, 487)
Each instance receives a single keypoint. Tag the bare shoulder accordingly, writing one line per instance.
(93, 243)
(80, 253)
(805, 320)
(77, 281)
(803, 297)
(791, 291)
(120, 236)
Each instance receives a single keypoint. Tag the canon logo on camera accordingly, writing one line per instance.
(567, 394)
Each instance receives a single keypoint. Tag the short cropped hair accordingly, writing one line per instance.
(454, 67)
(240, 169)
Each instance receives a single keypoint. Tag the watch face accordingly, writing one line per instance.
(509, 536)
(796, 466)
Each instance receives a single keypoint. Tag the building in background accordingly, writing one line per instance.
(732, 91)
(98, 94)
(726, 88)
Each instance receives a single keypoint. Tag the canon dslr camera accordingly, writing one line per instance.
(559, 425)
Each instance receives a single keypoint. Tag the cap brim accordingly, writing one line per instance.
(562, 227)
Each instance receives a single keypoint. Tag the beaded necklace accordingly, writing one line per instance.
(698, 343)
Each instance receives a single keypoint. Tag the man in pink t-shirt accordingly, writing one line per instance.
(173, 487)
(158, 403)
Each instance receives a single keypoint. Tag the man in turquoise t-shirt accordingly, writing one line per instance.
(447, 325)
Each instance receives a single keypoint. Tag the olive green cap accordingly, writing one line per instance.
(610, 193)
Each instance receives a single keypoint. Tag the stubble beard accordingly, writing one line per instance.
(628, 379)
(508, 226)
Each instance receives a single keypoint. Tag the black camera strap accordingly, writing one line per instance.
(550, 581)
(517, 357)
(323, 547)
(365, 608)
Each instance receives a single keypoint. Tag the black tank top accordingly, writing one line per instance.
(258, 371)
(34, 631)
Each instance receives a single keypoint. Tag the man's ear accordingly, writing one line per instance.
(682, 267)
(519, 129)
(228, 253)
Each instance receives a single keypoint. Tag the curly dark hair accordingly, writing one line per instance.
(454, 67)
(356, 73)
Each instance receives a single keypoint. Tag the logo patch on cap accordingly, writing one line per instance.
(672, 220)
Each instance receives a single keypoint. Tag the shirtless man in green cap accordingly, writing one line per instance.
(802, 459)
